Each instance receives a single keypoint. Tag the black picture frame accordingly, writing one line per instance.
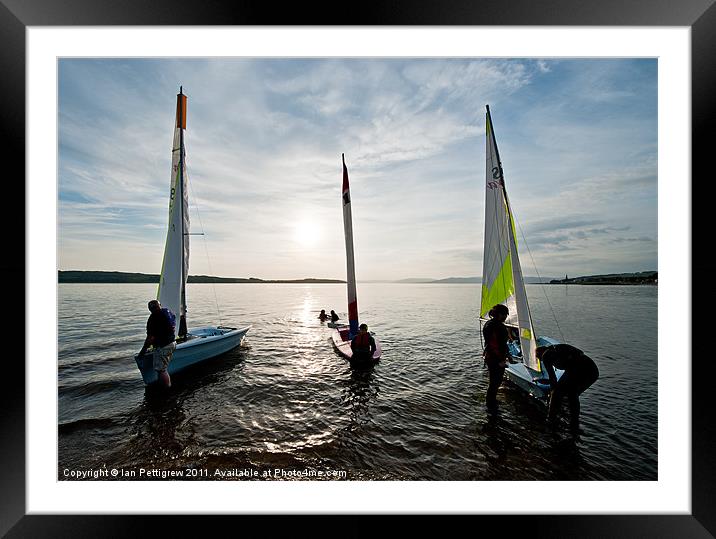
(16, 15)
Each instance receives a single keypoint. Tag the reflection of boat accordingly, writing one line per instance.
(197, 344)
(502, 280)
(342, 334)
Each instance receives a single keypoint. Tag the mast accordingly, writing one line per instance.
(181, 125)
(175, 263)
(350, 260)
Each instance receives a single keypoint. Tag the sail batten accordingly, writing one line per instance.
(350, 259)
(502, 279)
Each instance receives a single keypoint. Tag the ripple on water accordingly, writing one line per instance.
(286, 400)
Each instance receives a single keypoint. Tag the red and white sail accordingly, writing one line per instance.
(350, 259)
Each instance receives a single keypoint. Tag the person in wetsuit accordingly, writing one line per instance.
(496, 352)
(363, 344)
(580, 372)
(160, 334)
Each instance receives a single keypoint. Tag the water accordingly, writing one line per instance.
(286, 401)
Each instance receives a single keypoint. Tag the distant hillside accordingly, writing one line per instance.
(105, 277)
(126, 277)
(457, 280)
(642, 277)
(474, 280)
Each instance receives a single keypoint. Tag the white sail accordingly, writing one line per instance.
(498, 284)
(502, 280)
(175, 265)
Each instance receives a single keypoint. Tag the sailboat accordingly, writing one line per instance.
(196, 344)
(343, 334)
(502, 280)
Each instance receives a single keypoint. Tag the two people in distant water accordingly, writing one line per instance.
(323, 316)
(580, 372)
(363, 344)
(496, 353)
(161, 326)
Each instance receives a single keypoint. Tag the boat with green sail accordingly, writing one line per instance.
(502, 279)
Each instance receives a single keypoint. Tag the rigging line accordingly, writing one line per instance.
(559, 329)
(206, 248)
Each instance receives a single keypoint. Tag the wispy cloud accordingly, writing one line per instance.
(264, 138)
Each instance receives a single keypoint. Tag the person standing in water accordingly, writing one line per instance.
(580, 372)
(363, 344)
(496, 353)
(323, 316)
(160, 335)
(334, 316)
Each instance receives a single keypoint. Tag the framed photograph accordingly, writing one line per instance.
(314, 164)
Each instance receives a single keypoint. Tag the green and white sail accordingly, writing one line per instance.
(502, 280)
(175, 265)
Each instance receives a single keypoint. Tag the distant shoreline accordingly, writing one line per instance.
(120, 277)
(642, 278)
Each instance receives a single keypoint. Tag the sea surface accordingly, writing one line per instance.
(286, 406)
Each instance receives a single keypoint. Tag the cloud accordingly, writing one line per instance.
(264, 139)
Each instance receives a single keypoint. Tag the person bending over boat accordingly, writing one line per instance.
(363, 344)
(496, 353)
(323, 316)
(580, 372)
(334, 316)
(160, 334)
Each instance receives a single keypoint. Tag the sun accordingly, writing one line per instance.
(306, 233)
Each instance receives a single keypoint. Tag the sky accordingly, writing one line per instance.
(577, 140)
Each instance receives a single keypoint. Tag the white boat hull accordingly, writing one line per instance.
(203, 344)
(532, 382)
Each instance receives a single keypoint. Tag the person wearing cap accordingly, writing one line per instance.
(363, 344)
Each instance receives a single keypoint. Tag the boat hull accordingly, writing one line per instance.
(342, 344)
(524, 378)
(532, 382)
(203, 344)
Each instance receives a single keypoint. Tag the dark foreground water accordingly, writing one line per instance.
(285, 405)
